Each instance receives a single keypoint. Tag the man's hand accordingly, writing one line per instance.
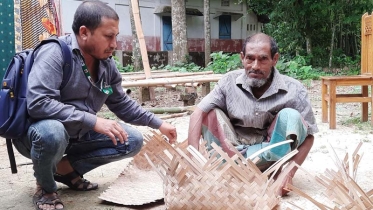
(170, 131)
(112, 129)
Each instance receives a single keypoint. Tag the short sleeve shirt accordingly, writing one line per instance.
(251, 116)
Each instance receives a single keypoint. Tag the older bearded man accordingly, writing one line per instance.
(255, 107)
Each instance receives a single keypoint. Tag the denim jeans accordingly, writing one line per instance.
(47, 142)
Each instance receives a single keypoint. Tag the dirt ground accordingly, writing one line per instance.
(17, 189)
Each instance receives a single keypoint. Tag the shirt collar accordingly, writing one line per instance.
(278, 83)
(74, 43)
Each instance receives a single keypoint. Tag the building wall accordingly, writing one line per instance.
(153, 29)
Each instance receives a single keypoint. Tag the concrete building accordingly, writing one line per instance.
(230, 23)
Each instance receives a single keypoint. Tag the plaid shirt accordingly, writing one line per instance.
(251, 116)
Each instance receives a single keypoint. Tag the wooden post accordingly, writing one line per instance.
(206, 88)
(144, 94)
(189, 97)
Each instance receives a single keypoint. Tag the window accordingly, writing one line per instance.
(225, 3)
(251, 27)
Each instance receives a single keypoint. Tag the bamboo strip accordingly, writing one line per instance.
(299, 192)
(275, 167)
(340, 186)
(269, 147)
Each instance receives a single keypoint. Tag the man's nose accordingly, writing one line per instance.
(255, 64)
(113, 43)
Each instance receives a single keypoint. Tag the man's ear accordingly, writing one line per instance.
(242, 56)
(275, 59)
(83, 32)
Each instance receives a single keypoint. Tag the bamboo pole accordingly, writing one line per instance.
(161, 110)
(140, 36)
(182, 114)
(170, 81)
(167, 75)
(139, 72)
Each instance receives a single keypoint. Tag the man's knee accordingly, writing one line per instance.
(135, 139)
(51, 135)
(289, 112)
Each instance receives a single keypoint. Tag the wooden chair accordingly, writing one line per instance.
(365, 79)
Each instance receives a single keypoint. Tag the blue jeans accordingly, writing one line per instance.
(47, 142)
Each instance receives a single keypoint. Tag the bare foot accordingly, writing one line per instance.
(46, 201)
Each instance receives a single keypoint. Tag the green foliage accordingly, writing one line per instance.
(121, 68)
(220, 64)
(347, 65)
(128, 68)
(306, 28)
(298, 69)
(223, 62)
(183, 67)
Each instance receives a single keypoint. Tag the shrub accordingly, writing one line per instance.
(223, 62)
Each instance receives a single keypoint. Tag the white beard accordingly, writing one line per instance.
(257, 83)
(253, 82)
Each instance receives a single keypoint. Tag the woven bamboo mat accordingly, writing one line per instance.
(135, 187)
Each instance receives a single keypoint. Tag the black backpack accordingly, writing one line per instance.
(14, 118)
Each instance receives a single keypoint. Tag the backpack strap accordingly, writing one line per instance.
(12, 159)
(67, 58)
(67, 66)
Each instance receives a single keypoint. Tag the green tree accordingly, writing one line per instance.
(320, 29)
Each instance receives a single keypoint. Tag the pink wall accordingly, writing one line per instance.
(153, 43)
(230, 45)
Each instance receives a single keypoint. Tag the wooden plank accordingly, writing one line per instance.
(364, 105)
(349, 95)
(352, 99)
(357, 77)
(332, 104)
(371, 105)
(364, 53)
